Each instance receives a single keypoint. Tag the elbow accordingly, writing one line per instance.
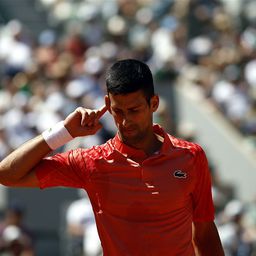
(7, 182)
(4, 180)
(6, 177)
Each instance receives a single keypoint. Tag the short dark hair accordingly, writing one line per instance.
(130, 75)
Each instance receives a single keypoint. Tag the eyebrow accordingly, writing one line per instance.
(133, 107)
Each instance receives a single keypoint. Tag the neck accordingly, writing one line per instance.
(153, 145)
(150, 144)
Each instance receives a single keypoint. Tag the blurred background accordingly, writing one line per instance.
(53, 56)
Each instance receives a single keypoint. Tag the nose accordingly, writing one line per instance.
(126, 120)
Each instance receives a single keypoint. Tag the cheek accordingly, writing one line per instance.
(142, 120)
(117, 119)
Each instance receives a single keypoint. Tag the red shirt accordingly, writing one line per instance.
(142, 207)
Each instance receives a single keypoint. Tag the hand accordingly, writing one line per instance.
(83, 122)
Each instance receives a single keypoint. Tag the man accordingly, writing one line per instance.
(150, 192)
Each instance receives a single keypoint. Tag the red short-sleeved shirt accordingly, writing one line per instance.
(142, 205)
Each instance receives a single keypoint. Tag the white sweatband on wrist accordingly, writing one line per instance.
(57, 136)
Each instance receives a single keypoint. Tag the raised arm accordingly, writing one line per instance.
(16, 170)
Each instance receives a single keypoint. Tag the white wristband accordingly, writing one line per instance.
(57, 136)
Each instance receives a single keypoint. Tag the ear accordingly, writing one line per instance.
(154, 103)
(107, 103)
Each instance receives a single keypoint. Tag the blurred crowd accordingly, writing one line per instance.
(210, 44)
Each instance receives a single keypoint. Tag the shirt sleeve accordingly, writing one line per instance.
(67, 169)
(203, 208)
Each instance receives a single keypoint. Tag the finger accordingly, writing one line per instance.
(101, 111)
(90, 117)
(84, 115)
(95, 115)
(93, 118)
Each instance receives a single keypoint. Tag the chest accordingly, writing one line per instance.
(157, 185)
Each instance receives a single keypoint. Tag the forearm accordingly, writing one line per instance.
(21, 161)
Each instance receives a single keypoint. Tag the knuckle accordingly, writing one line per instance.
(79, 109)
(92, 114)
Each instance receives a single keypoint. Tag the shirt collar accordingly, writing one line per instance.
(130, 151)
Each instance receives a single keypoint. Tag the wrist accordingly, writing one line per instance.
(57, 136)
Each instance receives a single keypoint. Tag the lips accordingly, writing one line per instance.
(128, 130)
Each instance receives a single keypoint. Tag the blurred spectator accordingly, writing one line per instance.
(81, 228)
(14, 50)
(162, 116)
(15, 239)
(234, 236)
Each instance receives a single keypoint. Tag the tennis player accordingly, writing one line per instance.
(150, 191)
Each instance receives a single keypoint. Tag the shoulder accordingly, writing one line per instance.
(192, 147)
(86, 157)
(187, 147)
(95, 152)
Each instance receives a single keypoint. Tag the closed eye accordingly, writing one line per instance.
(117, 111)
(134, 110)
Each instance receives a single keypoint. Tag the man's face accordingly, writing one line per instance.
(133, 115)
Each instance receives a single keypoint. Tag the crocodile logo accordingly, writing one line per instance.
(180, 174)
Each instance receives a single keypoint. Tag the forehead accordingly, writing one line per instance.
(127, 100)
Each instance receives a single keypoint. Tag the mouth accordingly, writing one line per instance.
(129, 130)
